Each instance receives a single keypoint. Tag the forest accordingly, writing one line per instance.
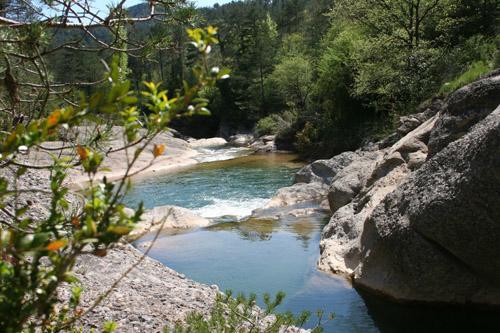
(368, 172)
(325, 76)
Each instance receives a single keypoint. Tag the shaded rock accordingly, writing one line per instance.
(340, 245)
(416, 159)
(408, 124)
(425, 112)
(389, 141)
(358, 189)
(264, 144)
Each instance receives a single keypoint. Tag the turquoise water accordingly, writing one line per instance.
(234, 187)
(269, 256)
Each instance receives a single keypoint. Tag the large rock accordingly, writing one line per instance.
(148, 299)
(296, 200)
(340, 244)
(264, 144)
(359, 187)
(426, 224)
(298, 193)
(436, 238)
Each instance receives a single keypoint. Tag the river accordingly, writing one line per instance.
(258, 256)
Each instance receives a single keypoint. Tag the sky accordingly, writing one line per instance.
(101, 4)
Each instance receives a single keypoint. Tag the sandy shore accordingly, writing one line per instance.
(178, 154)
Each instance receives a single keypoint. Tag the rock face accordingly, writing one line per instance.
(464, 109)
(436, 237)
(351, 179)
(418, 218)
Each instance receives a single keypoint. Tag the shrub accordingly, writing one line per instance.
(307, 139)
(267, 125)
(276, 123)
(241, 315)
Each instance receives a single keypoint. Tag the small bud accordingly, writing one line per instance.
(208, 49)
(22, 149)
(190, 108)
(225, 76)
(214, 70)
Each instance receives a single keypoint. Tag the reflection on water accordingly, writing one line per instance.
(261, 229)
(251, 229)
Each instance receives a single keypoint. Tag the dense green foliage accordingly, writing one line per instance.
(346, 68)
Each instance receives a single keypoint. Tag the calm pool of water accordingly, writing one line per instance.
(268, 256)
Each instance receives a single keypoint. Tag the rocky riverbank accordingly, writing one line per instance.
(151, 296)
(416, 217)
